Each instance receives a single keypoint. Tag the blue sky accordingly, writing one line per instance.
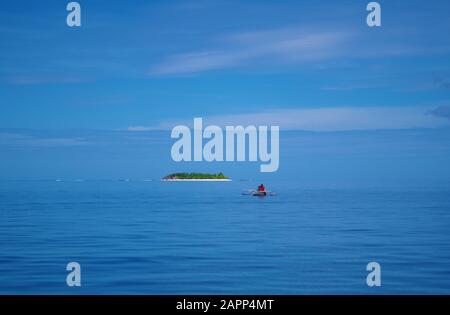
(84, 102)
(151, 63)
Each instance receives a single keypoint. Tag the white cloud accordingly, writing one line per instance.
(324, 119)
(298, 46)
(7, 138)
(290, 45)
(142, 128)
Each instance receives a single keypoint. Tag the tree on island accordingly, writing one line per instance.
(196, 176)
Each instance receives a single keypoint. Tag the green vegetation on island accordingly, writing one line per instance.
(176, 176)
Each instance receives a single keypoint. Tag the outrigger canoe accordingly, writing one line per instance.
(258, 193)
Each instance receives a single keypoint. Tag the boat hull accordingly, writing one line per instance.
(259, 193)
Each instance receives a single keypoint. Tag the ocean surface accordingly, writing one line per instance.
(153, 237)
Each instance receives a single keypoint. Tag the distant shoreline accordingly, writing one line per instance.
(197, 180)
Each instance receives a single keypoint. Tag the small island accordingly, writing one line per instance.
(199, 177)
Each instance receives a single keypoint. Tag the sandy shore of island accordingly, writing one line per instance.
(196, 180)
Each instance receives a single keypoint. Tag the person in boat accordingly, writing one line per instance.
(261, 188)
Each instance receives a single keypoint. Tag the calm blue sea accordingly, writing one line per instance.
(157, 237)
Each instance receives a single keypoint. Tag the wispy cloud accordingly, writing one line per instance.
(145, 128)
(350, 87)
(442, 83)
(283, 46)
(30, 79)
(196, 4)
(295, 46)
(324, 119)
(9, 138)
(440, 111)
